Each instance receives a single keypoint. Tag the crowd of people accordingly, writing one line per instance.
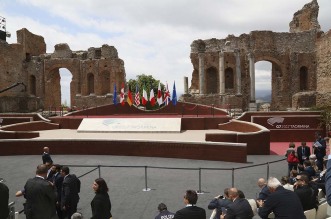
(54, 192)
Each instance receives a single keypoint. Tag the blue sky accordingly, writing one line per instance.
(152, 37)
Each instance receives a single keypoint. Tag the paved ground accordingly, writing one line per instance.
(126, 177)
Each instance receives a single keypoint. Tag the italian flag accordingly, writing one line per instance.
(152, 98)
(145, 98)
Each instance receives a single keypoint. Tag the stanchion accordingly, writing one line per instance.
(232, 177)
(99, 170)
(268, 170)
(200, 191)
(146, 189)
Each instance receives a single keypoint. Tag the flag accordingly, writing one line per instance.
(137, 96)
(115, 95)
(174, 95)
(122, 95)
(151, 97)
(145, 98)
(159, 95)
(166, 95)
(129, 98)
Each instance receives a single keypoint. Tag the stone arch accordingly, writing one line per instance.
(32, 85)
(52, 81)
(229, 78)
(277, 77)
(90, 83)
(211, 80)
(303, 77)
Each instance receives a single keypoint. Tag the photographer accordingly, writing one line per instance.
(220, 202)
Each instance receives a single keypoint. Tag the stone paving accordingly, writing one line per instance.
(167, 178)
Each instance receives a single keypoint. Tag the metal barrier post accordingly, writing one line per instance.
(99, 169)
(11, 210)
(200, 191)
(17, 215)
(232, 177)
(146, 189)
(268, 170)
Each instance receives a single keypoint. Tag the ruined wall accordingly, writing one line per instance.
(94, 73)
(296, 66)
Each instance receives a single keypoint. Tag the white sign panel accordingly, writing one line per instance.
(130, 125)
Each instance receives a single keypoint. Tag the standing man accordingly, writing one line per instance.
(303, 152)
(40, 196)
(46, 157)
(282, 202)
(239, 208)
(4, 198)
(164, 213)
(191, 211)
(69, 194)
(319, 148)
(57, 182)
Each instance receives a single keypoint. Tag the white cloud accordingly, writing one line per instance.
(152, 37)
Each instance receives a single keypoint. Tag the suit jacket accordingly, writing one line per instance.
(191, 212)
(264, 193)
(4, 198)
(40, 199)
(328, 181)
(58, 180)
(306, 153)
(101, 206)
(284, 203)
(46, 158)
(239, 209)
(70, 190)
(218, 204)
(307, 196)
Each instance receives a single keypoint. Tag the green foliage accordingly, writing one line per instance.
(148, 82)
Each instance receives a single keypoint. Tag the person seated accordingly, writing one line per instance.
(264, 192)
(293, 175)
(219, 202)
(308, 169)
(286, 183)
(306, 193)
(163, 212)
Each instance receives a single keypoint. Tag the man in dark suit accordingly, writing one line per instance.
(40, 196)
(283, 203)
(4, 198)
(303, 152)
(319, 148)
(57, 182)
(191, 211)
(69, 193)
(239, 208)
(306, 193)
(46, 157)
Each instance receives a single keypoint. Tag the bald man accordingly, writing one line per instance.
(264, 193)
(239, 208)
(46, 157)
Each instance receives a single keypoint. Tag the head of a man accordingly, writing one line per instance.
(233, 193)
(273, 184)
(261, 183)
(302, 180)
(42, 170)
(46, 150)
(190, 197)
(65, 171)
(161, 207)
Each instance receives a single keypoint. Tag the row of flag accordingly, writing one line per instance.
(160, 99)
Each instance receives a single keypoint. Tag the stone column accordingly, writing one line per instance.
(202, 73)
(185, 85)
(238, 71)
(221, 72)
(252, 75)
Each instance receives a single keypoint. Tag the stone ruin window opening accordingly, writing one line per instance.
(98, 53)
(263, 81)
(229, 78)
(212, 80)
(27, 57)
(32, 85)
(90, 83)
(303, 78)
(65, 81)
(105, 83)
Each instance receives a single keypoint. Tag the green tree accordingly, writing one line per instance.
(148, 82)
